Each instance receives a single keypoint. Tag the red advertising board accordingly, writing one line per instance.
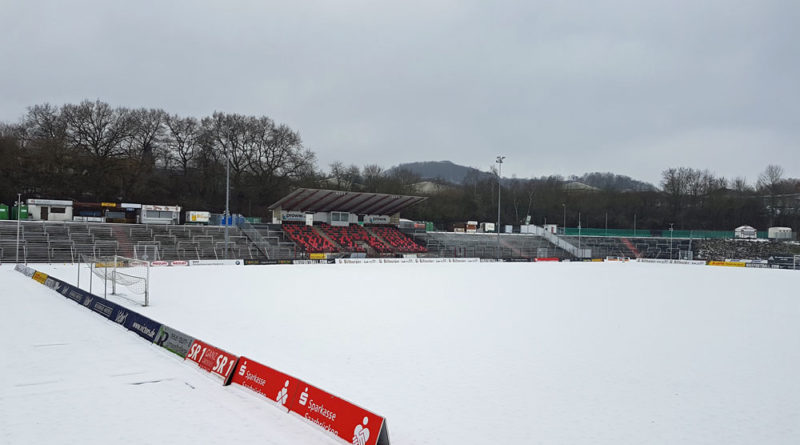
(270, 383)
(546, 259)
(212, 359)
(347, 421)
(179, 263)
(350, 422)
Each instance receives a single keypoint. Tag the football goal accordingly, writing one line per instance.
(128, 277)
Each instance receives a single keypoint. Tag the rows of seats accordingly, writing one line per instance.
(349, 237)
(308, 238)
(398, 241)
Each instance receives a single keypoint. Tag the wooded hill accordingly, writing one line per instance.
(94, 152)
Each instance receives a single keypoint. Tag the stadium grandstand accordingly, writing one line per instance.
(344, 223)
(326, 224)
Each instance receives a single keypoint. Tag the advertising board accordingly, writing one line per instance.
(137, 323)
(398, 260)
(338, 416)
(40, 277)
(25, 270)
(665, 261)
(294, 216)
(66, 290)
(727, 263)
(377, 219)
(131, 320)
(334, 415)
(174, 340)
(101, 306)
(270, 383)
(73, 293)
(463, 260)
(310, 262)
(218, 362)
(216, 262)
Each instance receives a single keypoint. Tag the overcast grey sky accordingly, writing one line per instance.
(559, 87)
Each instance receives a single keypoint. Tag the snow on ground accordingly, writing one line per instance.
(69, 376)
(504, 353)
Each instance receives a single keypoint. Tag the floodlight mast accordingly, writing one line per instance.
(670, 240)
(19, 217)
(227, 198)
(499, 162)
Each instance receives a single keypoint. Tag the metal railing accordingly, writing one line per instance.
(255, 237)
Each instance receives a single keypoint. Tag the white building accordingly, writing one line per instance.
(745, 232)
(49, 210)
(779, 233)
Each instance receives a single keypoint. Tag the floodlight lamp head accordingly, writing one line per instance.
(500, 159)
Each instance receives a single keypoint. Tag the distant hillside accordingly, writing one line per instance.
(611, 181)
(444, 170)
(455, 174)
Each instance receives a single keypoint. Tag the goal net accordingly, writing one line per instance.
(128, 277)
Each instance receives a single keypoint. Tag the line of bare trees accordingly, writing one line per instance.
(93, 152)
(690, 199)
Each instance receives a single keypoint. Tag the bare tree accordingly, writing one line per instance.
(96, 128)
(276, 152)
(770, 179)
(770, 182)
(372, 175)
(344, 177)
(146, 134)
(182, 140)
(740, 184)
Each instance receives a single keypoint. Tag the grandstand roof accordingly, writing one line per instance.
(316, 200)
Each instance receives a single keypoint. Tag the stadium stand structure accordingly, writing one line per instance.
(276, 244)
(64, 242)
(753, 249)
(308, 238)
(355, 238)
(345, 222)
(657, 248)
(396, 240)
(479, 245)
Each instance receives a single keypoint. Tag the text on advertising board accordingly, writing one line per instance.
(40, 277)
(212, 359)
(337, 416)
(174, 340)
(270, 383)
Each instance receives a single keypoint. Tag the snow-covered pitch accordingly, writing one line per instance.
(594, 353)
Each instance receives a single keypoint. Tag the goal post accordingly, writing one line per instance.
(130, 274)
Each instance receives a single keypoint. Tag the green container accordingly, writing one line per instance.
(3, 212)
(23, 212)
(429, 227)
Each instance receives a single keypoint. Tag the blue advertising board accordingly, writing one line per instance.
(131, 320)
(71, 292)
(137, 323)
(101, 306)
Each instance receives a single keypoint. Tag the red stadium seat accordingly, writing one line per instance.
(399, 242)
